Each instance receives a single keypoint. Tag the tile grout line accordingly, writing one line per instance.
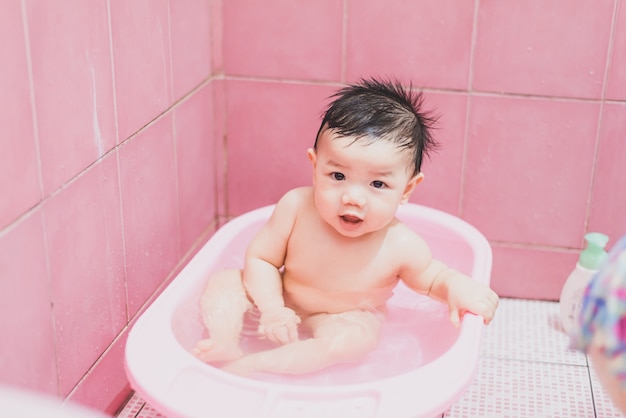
(593, 398)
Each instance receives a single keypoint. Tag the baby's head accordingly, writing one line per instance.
(374, 110)
(368, 154)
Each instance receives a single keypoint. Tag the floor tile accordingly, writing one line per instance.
(133, 406)
(515, 388)
(138, 408)
(602, 401)
(529, 330)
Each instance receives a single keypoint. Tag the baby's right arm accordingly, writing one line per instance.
(261, 275)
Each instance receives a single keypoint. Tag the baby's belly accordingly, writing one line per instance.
(309, 300)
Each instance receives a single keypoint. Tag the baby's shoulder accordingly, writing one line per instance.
(294, 202)
(409, 250)
(299, 193)
(405, 240)
(296, 198)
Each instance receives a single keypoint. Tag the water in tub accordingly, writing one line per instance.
(416, 330)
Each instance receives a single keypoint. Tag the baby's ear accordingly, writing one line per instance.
(410, 186)
(310, 153)
(313, 158)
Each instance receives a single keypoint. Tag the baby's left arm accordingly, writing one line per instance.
(433, 278)
(462, 294)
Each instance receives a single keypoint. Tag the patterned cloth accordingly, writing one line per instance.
(602, 320)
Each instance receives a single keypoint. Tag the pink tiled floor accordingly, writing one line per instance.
(526, 370)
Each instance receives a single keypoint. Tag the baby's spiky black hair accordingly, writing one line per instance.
(374, 109)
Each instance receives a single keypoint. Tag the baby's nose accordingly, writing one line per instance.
(353, 197)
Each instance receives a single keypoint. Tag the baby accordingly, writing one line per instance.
(331, 254)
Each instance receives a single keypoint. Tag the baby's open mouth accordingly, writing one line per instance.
(351, 219)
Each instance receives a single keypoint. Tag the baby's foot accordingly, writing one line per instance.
(210, 351)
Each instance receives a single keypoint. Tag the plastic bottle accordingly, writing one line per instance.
(588, 263)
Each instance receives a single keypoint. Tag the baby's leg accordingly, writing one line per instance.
(223, 303)
(337, 338)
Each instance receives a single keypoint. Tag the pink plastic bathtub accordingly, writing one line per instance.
(421, 366)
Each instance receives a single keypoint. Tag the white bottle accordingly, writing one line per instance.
(588, 264)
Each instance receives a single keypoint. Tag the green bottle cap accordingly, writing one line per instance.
(593, 255)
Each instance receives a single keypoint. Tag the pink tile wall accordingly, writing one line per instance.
(423, 42)
(283, 39)
(556, 48)
(270, 127)
(530, 96)
(151, 227)
(141, 48)
(109, 177)
(219, 125)
(19, 160)
(443, 169)
(522, 183)
(616, 83)
(72, 85)
(607, 211)
(530, 272)
(84, 244)
(190, 20)
(196, 164)
(27, 353)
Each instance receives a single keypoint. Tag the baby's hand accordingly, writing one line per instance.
(280, 325)
(467, 295)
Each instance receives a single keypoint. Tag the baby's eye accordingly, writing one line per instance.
(337, 176)
(377, 184)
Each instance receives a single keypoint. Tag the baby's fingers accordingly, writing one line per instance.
(488, 311)
(292, 332)
(280, 325)
(280, 334)
(455, 317)
(287, 333)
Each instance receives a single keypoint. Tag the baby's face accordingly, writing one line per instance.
(358, 185)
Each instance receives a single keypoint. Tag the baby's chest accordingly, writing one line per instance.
(340, 266)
